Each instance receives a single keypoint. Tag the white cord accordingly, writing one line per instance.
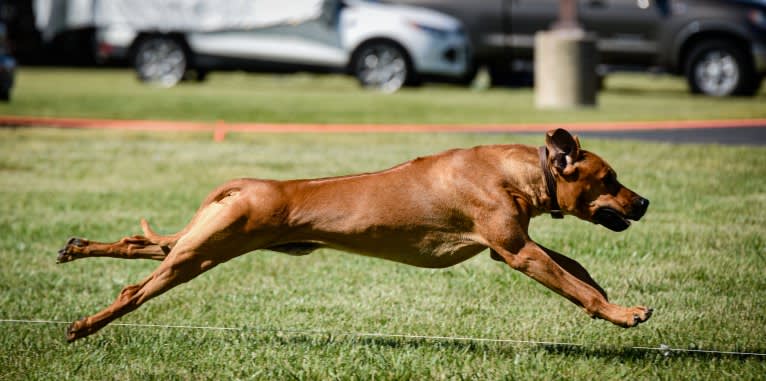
(665, 349)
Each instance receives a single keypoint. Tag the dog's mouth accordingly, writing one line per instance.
(611, 219)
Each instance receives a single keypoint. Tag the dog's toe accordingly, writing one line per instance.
(635, 316)
(63, 256)
(67, 253)
(639, 318)
(74, 330)
(79, 242)
(71, 333)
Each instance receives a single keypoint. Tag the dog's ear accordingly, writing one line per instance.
(563, 150)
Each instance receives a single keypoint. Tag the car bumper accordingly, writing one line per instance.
(114, 43)
(443, 57)
(7, 72)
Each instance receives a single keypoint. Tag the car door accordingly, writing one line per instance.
(313, 41)
(627, 30)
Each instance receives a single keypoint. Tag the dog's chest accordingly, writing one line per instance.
(433, 250)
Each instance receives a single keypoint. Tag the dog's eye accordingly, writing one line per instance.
(610, 179)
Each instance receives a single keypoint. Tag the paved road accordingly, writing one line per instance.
(732, 132)
(755, 136)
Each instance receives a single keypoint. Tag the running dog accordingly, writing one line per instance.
(432, 212)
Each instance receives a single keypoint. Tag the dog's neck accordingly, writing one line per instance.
(526, 178)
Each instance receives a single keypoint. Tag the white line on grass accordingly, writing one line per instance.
(665, 349)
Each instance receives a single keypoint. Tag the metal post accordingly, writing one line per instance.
(565, 62)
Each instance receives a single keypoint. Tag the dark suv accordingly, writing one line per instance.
(7, 67)
(719, 45)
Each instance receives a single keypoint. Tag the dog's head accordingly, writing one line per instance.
(587, 186)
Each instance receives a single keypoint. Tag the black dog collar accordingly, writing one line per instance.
(550, 183)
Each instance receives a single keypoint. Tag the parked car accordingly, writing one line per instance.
(7, 67)
(385, 46)
(719, 45)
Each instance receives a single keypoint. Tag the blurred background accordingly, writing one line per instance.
(673, 71)
(717, 46)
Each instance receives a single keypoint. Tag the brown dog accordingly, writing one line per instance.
(433, 212)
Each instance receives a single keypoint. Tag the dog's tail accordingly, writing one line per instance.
(158, 239)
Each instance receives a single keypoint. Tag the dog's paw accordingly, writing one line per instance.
(69, 252)
(76, 330)
(640, 315)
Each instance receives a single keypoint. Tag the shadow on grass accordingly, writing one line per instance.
(635, 353)
(632, 91)
(511, 348)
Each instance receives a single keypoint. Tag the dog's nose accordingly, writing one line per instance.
(640, 205)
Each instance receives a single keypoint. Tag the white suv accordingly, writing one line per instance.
(385, 46)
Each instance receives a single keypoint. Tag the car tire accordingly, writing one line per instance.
(201, 75)
(383, 66)
(160, 61)
(720, 68)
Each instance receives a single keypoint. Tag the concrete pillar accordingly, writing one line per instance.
(565, 69)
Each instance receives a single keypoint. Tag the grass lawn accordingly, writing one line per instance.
(697, 257)
(240, 97)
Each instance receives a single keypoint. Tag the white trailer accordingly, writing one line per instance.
(385, 46)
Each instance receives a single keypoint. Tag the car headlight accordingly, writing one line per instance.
(433, 31)
(7, 63)
(757, 17)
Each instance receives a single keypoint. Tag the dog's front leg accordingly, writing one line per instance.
(569, 279)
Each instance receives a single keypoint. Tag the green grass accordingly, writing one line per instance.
(239, 97)
(697, 257)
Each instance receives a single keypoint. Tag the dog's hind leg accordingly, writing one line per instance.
(221, 231)
(177, 268)
(134, 247)
(148, 246)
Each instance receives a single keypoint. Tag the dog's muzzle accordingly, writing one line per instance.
(616, 221)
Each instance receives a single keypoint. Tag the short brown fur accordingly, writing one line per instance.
(431, 212)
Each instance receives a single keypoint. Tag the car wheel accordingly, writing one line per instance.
(160, 61)
(382, 66)
(720, 68)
